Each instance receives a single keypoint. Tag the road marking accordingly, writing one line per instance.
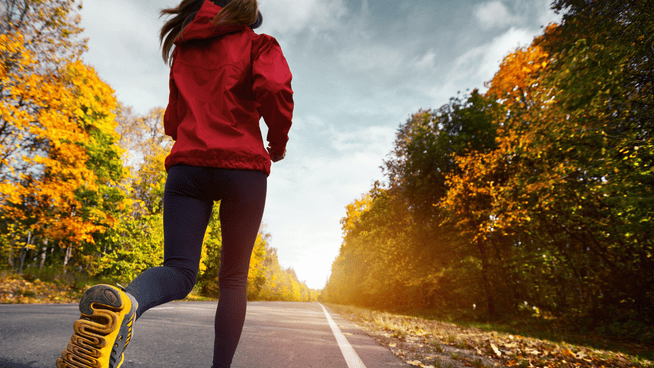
(351, 357)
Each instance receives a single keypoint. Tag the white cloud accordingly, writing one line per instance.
(493, 14)
(124, 49)
(295, 16)
(315, 121)
(427, 61)
(376, 58)
(546, 14)
(368, 139)
(480, 64)
(387, 61)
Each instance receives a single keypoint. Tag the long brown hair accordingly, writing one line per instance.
(235, 12)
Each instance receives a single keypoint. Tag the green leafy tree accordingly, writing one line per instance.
(605, 72)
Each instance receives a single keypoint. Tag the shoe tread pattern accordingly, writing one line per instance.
(101, 310)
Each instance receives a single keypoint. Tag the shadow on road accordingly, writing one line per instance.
(7, 364)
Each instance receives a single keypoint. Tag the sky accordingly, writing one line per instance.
(360, 69)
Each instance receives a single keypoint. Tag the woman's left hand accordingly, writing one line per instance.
(275, 157)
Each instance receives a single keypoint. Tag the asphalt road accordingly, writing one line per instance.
(180, 335)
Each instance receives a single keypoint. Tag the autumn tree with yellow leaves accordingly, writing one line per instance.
(59, 167)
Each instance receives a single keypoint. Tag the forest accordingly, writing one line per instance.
(533, 199)
(81, 174)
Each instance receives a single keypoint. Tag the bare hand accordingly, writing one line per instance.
(275, 157)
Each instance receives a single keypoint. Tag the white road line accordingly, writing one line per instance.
(351, 357)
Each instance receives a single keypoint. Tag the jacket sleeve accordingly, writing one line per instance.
(272, 88)
(171, 118)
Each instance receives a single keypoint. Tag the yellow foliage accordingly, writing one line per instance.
(518, 75)
(353, 212)
(257, 268)
(66, 107)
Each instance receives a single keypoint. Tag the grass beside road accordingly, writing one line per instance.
(431, 343)
(53, 288)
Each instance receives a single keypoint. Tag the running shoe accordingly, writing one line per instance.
(103, 330)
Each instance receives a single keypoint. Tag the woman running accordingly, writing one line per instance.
(223, 79)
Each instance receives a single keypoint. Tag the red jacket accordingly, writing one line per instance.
(222, 81)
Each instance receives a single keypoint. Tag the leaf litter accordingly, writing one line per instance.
(435, 344)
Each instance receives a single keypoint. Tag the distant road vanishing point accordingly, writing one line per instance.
(180, 335)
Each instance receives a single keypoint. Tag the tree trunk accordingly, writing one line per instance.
(10, 256)
(23, 252)
(44, 254)
(487, 284)
(69, 252)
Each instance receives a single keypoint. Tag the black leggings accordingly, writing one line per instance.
(188, 200)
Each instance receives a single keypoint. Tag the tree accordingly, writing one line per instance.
(605, 70)
(45, 122)
(141, 136)
(136, 241)
(37, 38)
(423, 160)
(270, 280)
(68, 189)
(553, 183)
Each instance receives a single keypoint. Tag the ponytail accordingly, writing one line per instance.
(183, 14)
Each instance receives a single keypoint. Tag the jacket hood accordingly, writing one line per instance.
(202, 27)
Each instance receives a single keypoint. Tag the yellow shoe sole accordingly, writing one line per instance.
(103, 331)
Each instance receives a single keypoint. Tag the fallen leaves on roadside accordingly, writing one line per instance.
(16, 290)
(449, 345)
(418, 363)
(496, 350)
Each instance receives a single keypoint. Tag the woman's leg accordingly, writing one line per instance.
(187, 210)
(241, 211)
(188, 200)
